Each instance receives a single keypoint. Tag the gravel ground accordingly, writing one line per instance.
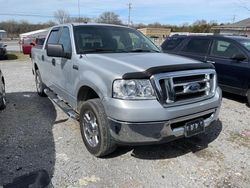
(35, 134)
(13, 45)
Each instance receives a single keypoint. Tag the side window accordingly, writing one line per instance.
(197, 46)
(224, 49)
(53, 37)
(65, 40)
(171, 43)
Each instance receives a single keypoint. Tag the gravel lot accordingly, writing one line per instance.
(35, 134)
(13, 45)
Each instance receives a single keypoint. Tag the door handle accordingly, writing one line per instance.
(75, 67)
(53, 62)
(42, 57)
(211, 62)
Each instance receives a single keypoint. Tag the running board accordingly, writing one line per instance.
(61, 104)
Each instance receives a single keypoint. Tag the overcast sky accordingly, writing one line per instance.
(143, 11)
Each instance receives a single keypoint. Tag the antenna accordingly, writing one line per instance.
(129, 13)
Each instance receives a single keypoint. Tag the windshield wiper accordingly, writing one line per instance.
(143, 50)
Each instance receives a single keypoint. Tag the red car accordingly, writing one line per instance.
(28, 43)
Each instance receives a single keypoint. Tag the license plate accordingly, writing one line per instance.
(194, 127)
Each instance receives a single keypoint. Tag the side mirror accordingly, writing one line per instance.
(56, 50)
(239, 57)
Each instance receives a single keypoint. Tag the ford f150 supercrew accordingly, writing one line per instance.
(121, 88)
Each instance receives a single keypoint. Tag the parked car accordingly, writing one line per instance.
(122, 89)
(3, 51)
(2, 92)
(229, 54)
(29, 43)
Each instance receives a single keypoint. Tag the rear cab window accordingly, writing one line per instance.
(171, 43)
(198, 46)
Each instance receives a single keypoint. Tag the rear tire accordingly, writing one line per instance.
(40, 86)
(248, 97)
(3, 97)
(95, 131)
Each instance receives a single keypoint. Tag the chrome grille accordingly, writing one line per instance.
(185, 86)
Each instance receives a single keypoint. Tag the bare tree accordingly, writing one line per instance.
(61, 16)
(81, 19)
(109, 18)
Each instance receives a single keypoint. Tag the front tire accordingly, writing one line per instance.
(40, 86)
(94, 126)
(2, 96)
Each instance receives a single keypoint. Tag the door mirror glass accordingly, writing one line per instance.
(238, 57)
(55, 50)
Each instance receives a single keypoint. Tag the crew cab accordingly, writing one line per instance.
(121, 88)
(229, 54)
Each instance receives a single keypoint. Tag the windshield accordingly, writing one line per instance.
(111, 39)
(245, 43)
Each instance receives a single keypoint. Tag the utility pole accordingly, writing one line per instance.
(234, 17)
(79, 11)
(129, 13)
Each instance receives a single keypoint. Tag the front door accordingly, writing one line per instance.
(232, 74)
(47, 65)
(64, 67)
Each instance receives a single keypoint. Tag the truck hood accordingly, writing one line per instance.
(122, 63)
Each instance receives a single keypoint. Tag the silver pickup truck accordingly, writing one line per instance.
(121, 88)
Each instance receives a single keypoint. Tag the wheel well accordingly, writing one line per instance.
(85, 93)
(36, 67)
(3, 80)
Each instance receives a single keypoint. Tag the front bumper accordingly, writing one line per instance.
(139, 122)
(157, 132)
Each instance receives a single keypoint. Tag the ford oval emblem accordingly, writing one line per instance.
(192, 88)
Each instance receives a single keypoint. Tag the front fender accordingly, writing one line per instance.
(94, 81)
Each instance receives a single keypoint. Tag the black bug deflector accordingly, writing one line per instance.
(168, 68)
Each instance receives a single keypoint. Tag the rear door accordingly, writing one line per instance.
(232, 74)
(196, 48)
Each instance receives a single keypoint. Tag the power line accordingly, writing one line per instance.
(28, 15)
(33, 15)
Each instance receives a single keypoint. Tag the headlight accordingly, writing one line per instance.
(133, 89)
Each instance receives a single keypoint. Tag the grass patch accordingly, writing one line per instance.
(17, 56)
(240, 139)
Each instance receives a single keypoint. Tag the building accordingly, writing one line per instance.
(157, 35)
(189, 34)
(3, 34)
(239, 28)
(155, 32)
(34, 34)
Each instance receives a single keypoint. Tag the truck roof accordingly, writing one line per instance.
(90, 24)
